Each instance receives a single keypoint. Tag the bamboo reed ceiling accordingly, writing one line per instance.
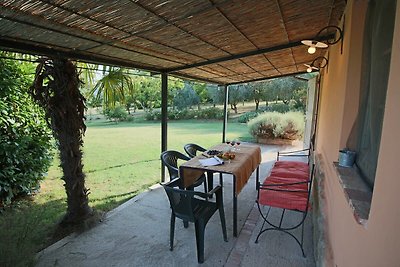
(218, 41)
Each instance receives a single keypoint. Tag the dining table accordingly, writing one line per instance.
(247, 159)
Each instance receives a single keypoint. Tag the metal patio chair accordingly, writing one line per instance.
(288, 188)
(194, 207)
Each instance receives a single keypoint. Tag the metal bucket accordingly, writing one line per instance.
(346, 158)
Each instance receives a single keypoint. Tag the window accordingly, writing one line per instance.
(366, 132)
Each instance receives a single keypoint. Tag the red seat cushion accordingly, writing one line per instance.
(284, 199)
(290, 173)
(293, 164)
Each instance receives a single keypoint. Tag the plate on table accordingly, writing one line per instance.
(212, 153)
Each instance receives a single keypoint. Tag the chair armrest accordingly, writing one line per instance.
(216, 190)
(294, 153)
(173, 183)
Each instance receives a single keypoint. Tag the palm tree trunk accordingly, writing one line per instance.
(71, 163)
(65, 106)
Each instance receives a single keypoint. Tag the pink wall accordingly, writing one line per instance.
(378, 242)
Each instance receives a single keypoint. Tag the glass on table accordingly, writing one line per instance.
(237, 143)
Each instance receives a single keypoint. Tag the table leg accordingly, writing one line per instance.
(234, 208)
(210, 180)
(257, 177)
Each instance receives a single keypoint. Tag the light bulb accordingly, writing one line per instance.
(311, 50)
(309, 69)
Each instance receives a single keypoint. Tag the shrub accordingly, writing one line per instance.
(25, 138)
(246, 117)
(278, 107)
(153, 115)
(288, 125)
(186, 114)
(117, 113)
(210, 113)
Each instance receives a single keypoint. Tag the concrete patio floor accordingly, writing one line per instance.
(137, 234)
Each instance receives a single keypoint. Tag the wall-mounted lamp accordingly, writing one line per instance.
(316, 64)
(314, 44)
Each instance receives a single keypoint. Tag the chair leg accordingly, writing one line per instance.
(223, 224)
(210, 181)
(186, 223)
(302, 238)
(261, 231)
(172, 232)
(264, 220)
(199, 228)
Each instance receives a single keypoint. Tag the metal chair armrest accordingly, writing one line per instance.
(293, 153)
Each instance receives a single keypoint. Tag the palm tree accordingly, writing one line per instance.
(111, 87)
(56, 89)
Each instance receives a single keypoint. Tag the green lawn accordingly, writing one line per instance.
(120, 161)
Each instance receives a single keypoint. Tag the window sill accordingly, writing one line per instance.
(357, 193)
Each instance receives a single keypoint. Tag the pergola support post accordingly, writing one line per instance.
(164, 118)
(226, 94)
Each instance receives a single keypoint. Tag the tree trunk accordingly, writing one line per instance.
(128, 109)
(234, 107)
(65, 106)
(71, 162)
(257, 103)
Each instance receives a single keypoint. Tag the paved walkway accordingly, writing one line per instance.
(137, 234)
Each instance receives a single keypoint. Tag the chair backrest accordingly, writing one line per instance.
(170, 159)
(180, 201)
(191, 149)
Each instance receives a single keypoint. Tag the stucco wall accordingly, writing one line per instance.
(378, 242)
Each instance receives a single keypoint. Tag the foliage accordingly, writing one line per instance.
(148, 92)
(257, 92)
(277, 125)
(210, 113)
(236, 94)
(23, 231)
(186, 114)
(300, 99)
(216, 94)
(117, 113)
(278, 107)
(283, 89)
(201, 91)
(110, 88)
(186, 98)
(56, 89)
(25, 139)
(245, 117)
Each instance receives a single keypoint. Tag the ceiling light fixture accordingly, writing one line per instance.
(314, 44)
(316, 64)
